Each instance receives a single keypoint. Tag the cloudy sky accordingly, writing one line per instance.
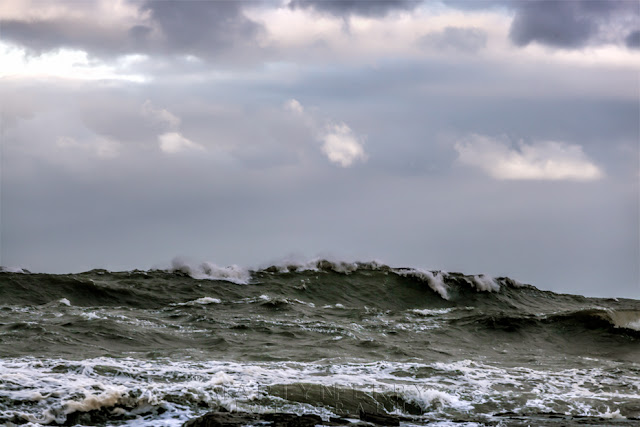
(492, 137)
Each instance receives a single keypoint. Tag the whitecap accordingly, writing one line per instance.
(202, 301)
(485, 283)
(210, 271)
(431, 312)
(435, 281)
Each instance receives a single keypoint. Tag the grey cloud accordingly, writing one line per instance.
(202, 28)
(566, 24)
(563, 23)
(557, 23)
(40, 36)
(139, 32)
(68, 208)
(356, 7)
(455, 38)
(633, 40)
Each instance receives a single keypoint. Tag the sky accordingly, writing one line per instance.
(494, 137)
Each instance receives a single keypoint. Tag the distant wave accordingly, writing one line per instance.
(434, 279)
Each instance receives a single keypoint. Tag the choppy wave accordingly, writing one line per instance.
(156, 347)
(353, 305)
(166, 392)
(104, 285)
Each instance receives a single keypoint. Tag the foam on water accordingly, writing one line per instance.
(210, 271)
(322, 264)
(485, 283)
(633, 325)
(337, 305)
(435, 281)
(629, 319)
(430, 399)
(52, 390)
(13, 270)
(431, 312)
(202, 301)
(166, 334)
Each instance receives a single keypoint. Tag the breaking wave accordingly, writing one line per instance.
(155, 347)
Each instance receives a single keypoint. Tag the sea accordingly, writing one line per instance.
(159, 347)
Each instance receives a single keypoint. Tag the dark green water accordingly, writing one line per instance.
(157, 347)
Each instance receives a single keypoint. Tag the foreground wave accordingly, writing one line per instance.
(160, 346)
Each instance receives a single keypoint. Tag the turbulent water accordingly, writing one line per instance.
(155, 348)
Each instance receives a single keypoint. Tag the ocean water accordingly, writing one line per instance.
(158, 347)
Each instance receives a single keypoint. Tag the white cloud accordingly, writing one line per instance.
(341, 145)
(118, 13)
(160, 115)
(67, 64)
(170, 142)
(174, 142)
(545, 160)
(294, 106)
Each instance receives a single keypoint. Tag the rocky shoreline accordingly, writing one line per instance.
(368, 419)
(280, 419)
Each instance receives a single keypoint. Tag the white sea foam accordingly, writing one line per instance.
(290, 265)
(210, 271)
(431, 312)
(310, 304)
(612, 415)
(514, 283)
(633, 325)
(629, 319)
(12, 270)
(91, 315)
(428, 398)
(109, 397)
(435, 281)
(337, 305)
(242, 275)
(52, 389)
(202, 301)
(485, 283)
(64, 301)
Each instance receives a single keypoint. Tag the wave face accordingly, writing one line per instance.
(105, 347)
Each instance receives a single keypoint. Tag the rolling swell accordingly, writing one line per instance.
(353, 309)
(319, 282)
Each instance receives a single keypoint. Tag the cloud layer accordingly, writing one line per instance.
(496, 137)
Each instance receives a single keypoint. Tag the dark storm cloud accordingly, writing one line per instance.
(202, 28)
(566, 24)
(356, 7)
